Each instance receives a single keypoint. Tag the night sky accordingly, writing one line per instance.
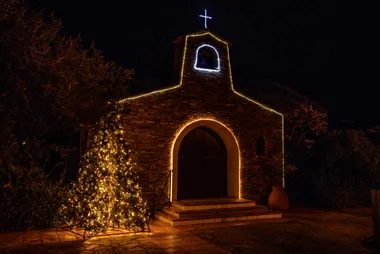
(294, 42)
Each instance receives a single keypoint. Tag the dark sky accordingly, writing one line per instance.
(294, 42)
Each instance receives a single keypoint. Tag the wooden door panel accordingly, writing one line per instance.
(202, 165)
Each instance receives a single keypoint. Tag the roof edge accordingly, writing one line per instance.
(182, 38)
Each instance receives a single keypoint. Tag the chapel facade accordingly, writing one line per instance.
(212, 140)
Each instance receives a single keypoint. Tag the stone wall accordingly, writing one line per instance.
(152, 122)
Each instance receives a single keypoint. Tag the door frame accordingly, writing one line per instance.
(233, 155)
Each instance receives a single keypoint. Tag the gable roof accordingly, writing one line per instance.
(201, 33)
(198, 34)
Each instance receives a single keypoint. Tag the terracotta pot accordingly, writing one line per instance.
(278, 199)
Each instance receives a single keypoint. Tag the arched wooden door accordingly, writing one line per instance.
(202, 165)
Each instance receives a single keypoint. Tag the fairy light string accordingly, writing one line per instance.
(107, 192)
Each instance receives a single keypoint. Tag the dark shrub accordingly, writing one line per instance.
(345, 168)
(29, 200)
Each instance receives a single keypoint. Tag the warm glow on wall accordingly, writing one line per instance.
(231, 84)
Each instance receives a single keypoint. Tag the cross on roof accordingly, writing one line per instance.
(205, 17)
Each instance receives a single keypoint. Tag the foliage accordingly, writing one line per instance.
(29, 200)
(303, 117)
(107, 192)
(347, 164)
(305, 121)
(274, 164)
(274, 174)
(50, 84)
(373, 133)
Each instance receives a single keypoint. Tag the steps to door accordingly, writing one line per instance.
(204, 211)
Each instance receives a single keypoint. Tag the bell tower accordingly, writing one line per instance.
(202, 59)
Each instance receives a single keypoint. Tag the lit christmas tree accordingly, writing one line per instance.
(107, 192)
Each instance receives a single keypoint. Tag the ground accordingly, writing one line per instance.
(300, 231)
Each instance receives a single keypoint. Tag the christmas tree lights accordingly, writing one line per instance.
(107, 192)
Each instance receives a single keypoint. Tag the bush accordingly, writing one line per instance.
(345, 167)
(28, 199)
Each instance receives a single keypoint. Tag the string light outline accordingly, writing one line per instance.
(232, 88)
(178, 133)
(205, 69)
(205, 17)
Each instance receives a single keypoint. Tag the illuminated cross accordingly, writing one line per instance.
(206, 17)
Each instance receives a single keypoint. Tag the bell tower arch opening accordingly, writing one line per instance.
(207, 59)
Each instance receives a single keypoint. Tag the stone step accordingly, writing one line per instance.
(214, 212)
(176, 221)
(205, 204)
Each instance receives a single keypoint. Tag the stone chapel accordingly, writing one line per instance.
(209, 139)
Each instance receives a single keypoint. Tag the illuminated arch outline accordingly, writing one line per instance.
(232, 147)
(232, 88)
(205, 69)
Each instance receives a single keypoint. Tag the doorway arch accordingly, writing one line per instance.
(202, 165)
(232, 155)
